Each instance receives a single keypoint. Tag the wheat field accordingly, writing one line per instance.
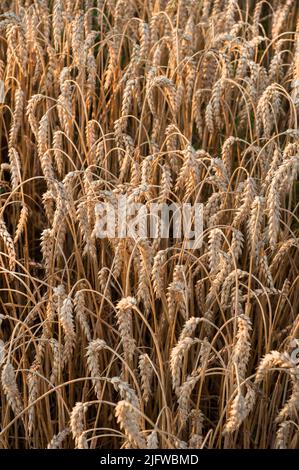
(123, 342)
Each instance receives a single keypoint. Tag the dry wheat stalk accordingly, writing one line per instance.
(77, 421)
(58, 439)
(124, 321)
(8, 380)
(93, 349)
(158, 102)
(8, 242)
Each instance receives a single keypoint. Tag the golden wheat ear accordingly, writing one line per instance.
(149, 224)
